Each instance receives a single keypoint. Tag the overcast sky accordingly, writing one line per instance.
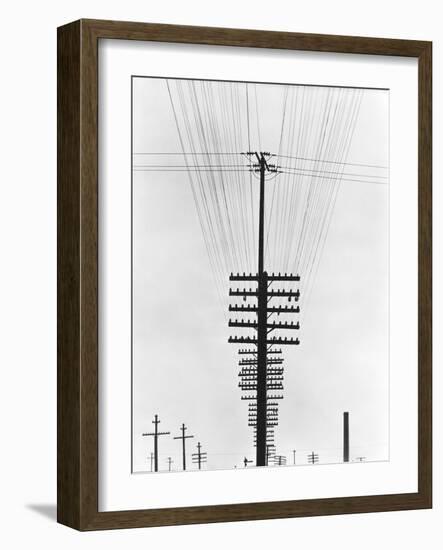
(184, 370)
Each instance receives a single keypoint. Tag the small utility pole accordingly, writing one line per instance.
(293, 454)
(269, 452)
(183, 437)
(345, 437)
(170, 461)
(199, 457)
(280, 460)
(152, 461)
(156, 435)
(313, 458)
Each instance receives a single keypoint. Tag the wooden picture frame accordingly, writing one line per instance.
(77, 456)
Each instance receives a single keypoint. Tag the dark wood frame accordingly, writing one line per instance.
(77, 456)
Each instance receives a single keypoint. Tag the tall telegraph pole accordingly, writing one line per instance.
(263, 378)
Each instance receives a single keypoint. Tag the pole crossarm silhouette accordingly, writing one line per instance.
(279, 460)
(271, 371)
(271, 277)
(272, 326)
(254, 340)
(271, 309)
(270, 361)
(313, 458)
(270, 452)
(155, 434)
(199, 457)
(183, 437)
(254, 352)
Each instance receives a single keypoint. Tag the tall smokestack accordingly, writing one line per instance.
(345, 437)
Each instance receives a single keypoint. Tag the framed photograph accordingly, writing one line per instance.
(244, 275)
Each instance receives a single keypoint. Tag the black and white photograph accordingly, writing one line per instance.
(260, 276)
(220, 288)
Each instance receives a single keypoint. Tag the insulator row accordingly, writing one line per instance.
(282, 309)
(271, 276)
(246, 380)
(254, 352)
(254, 425)
(269, 370)
(271, 340)
(269, 361)
(284, 293)
(284, 325)
(253, 409)
(253, 375)
(244, 292)
(243, 277)
(253, 387)
(254, 324)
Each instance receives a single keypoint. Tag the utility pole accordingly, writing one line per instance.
(199, 457)
(183, 437)
(345, 437)
(280, 460)
(170, 461)
(269, 452)
(293, 454)
(262, 379)
(156, 435)
(313, 458)
(151, 457)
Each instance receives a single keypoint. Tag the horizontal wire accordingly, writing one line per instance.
(181, 154)
(274, 155)
(244, 167)
(245, 171)
(334, 179)
(189, 166)
(188, 170)
(332, 172)
(333, 162)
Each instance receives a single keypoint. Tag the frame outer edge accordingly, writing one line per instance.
(68, 275)
(77, 320)
(425, 274)
(89, 338)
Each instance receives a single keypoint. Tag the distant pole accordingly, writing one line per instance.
(170, 461)
(155, 434)
(199, 457)
(268, 453)
(345, 437)
(280, 460)
(183, 437)
(152, 461)
(293, 454)
(313, 458)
